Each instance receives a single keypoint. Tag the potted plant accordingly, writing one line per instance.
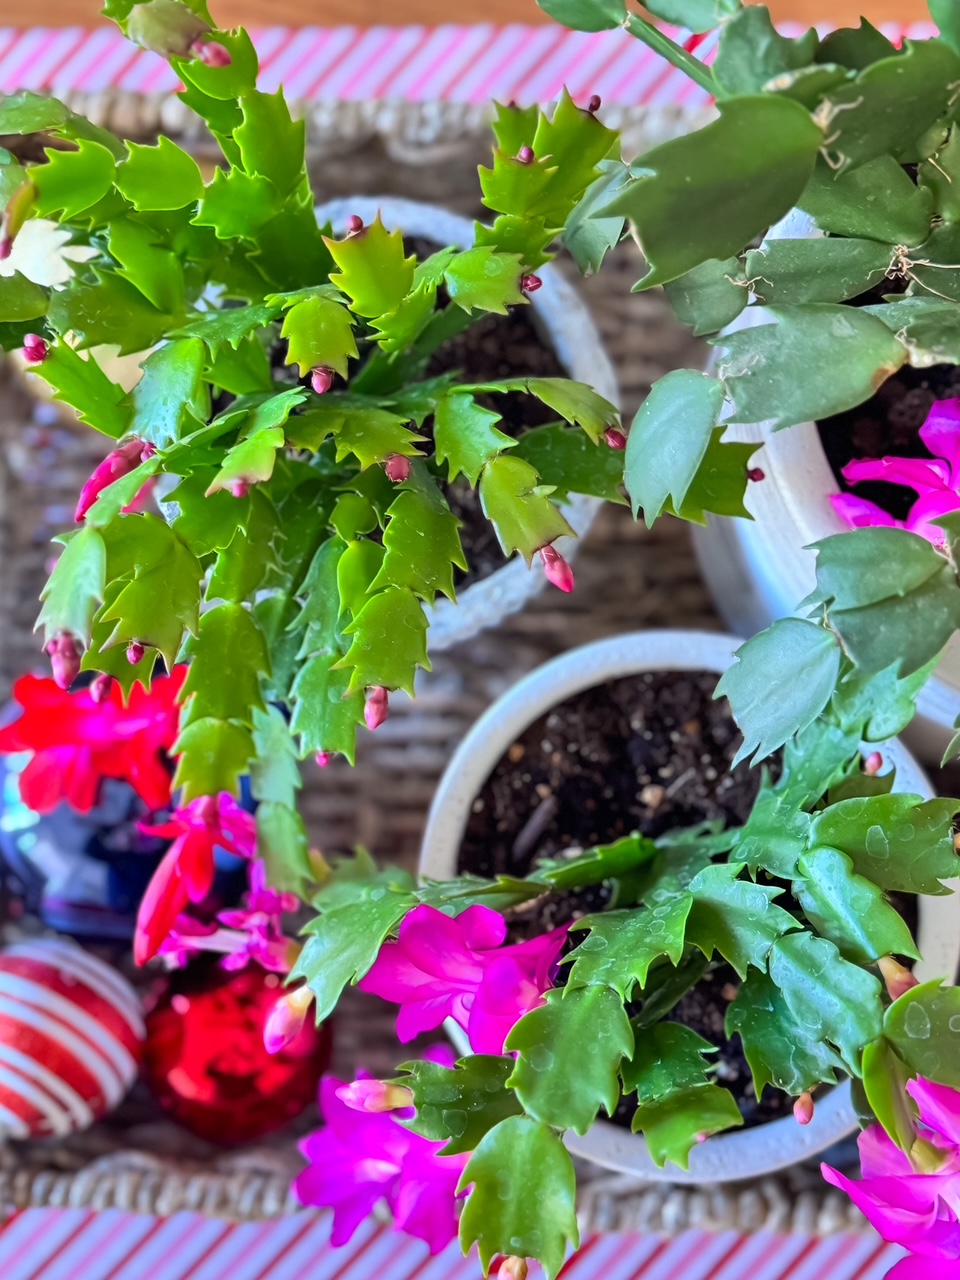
(287, 387)
(609, 896)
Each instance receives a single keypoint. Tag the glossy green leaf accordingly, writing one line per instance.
(20, 298)
(835, 1001)
(399, 329)
(236, 79)
(523, 1196)
(924, 1028)
(359, 565)
(459, 1105)
(374, 274)
(237, 204)
(274, 774)
(588, 235)
(928, 327)
(466, 436)
(669, 1056)
(734, 917)
(940, 175)
(156, 272)
(603, 862)
(75, 588)
(573, 141)
(160, 177)
(586, 15)
(885, 1077)
(945, 15)
(709, 297)
(898, 842)
(371, 435)
(720, 482)
(484, 280)
(226, 659)
(171, 397)
(780, 1050)
(776, 833)
(752, 52)
(250, 461)
(890, 104)
(798, 659)
(524, 518)
(621, 945)
(669, 438)
(877, 201)
(568, 461)
(272, 145)
(808, 85)
(733, 179)
(388, 641)
(869, 566)
(855, 47)
(765, 369)
(575, 402)
(72, 181)
(115, 497)
(342, 943)
(319, 332)
(697, 15)
(422, 544)
(849, 910)
(213, 756)
(908, 630)
(283, 845)
(105, 309)
(243, 369)
(569, 1051)
(325, 713)
(821, 270)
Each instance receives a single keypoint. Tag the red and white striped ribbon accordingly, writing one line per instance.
(79, 1244)
(419, 64)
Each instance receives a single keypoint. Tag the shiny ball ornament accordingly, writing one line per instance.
(206, 1063)
(71, 1036)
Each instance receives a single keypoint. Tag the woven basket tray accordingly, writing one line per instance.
(627, 578)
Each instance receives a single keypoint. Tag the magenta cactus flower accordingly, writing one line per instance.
(458, 968)
(936, 480)
(360, 1159)
(916, 1207)
(117, 464)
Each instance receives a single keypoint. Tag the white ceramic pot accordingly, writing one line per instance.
(730, 1156)
(760, 570)
(566, 324)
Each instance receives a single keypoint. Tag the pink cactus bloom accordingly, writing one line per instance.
(920, 1211)
(114, 467)
(441, 967)
(556, 569)
(360, 1159)
(936, 480)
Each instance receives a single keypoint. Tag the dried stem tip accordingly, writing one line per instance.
(593, 106)
(354, 224)
(35, 348)
(898, 979)
(211, 53)
(377, 706)
(135, 652)
(803, 1108)
(65, 657)
(756, 474)
(525, 155)
(615, 438)
(530, 283)
(557, 569)
(397, 468)
(100, 687)
(321, 379)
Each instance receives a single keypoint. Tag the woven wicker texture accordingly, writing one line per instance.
(627, 578)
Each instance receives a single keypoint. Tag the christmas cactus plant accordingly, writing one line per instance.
(283, 395)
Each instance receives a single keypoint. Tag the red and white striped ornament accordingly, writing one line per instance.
(71, 1036)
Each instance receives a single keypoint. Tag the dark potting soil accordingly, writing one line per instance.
(647, 753)
(888, 424)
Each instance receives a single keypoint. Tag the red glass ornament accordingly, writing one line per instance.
(206, 1063)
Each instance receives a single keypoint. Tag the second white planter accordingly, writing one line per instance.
(742, 1153)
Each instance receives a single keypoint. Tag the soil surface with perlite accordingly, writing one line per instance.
(647, 753)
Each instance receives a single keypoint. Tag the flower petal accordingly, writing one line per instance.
(939, 1106)
(880, 1157)
(941, 433)
(859, 513)
(920, 474)
(482, 928)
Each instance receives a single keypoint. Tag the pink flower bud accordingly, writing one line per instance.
(397, 468)
(120, 462)
(65, 657)
(756, 475)
(287, 1019)
(615, 438)
(321, 379)
(323, 758)
(6, 247)
(873, 764)
(35, 349)
(899, 980)
(100, 687)
(593, 106)
(211, 53)
(513, 1268)
(803, 1108)
(530, 284)
(525, 155)
(135, 652)
(557, 569)
(240, 488)
(377, 707)
(375, 1096)
(148, 451)
(354, 224)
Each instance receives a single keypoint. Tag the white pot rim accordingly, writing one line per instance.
(741, 1153)
(566, 321)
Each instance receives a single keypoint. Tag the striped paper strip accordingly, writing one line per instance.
(79, 1244)
(419, 64)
